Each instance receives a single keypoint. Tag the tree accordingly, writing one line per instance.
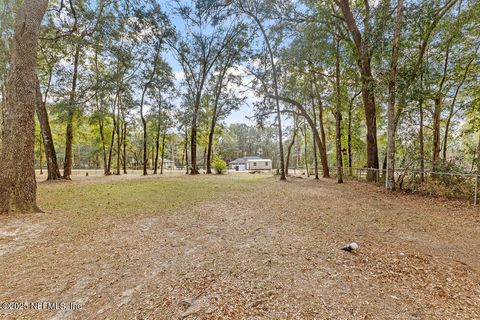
(208, 39)
(338, 113)
(50, 54)
(6, 22)
(17, 174)
(364, 50)
(155, 27)
(254, 9)
(146, 85)
(161, 112)
(390, 178)
(224, 101)
(78, 31)
(292, 143)
(46, 133)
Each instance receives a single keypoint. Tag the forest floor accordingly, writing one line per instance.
(238, 247)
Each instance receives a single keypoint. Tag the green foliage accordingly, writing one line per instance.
(219, 164)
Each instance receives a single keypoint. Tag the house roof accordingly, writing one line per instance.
(245, 159)
(259, 160)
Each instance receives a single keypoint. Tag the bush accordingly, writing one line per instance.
(451, 185)
(219, 165)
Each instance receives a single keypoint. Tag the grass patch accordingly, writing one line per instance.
(87, 202)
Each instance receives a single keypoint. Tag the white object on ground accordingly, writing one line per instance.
(352, 246)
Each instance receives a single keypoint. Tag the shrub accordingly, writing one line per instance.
(452, 184)
(219, 165)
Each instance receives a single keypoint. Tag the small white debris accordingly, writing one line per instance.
(352, 246)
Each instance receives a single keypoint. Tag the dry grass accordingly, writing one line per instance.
(240, 247)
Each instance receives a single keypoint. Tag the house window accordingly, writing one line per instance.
(254, 164)
(266, 163)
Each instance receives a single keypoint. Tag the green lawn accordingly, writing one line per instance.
(85, 202)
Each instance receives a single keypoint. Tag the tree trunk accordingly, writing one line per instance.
(422, 148)
(323, 145)
(112, 141)
(163, 151)
(104, 148)
(186, 149)
(172, 152)
(315, 158)
(40, 151)
(338, 115)
(297, 158)
(50, 154)
(350, 123)
(349, 137)
(99, 104)
(447, 129)
(124, 140)
(157, 149)
(193, 136)
(210, 143)
(68, 163)
(40, 156)
(384, 166)
(144, 128)
(119, 139)
(478, 155)
(142, 101)
(306, 154)
(17, 157)
(292, 143)
(370, 111)
(436, 132)
(183, 157)
(157, 136)
(390, 179)
(420, 133)
(364, 63)
(437, 111)
(144, 122)
(218, 91)
(153, 157)
(204, 157)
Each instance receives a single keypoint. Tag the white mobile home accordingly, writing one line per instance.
(250, 163)
(259, 164)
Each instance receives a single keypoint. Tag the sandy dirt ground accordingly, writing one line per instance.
(269, 251)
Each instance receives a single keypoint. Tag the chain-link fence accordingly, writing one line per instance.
(445, 184)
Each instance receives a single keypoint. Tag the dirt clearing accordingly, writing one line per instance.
(239, 248)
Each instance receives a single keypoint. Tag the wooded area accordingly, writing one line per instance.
(107, 95)
(379, 85)
(239, 159)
